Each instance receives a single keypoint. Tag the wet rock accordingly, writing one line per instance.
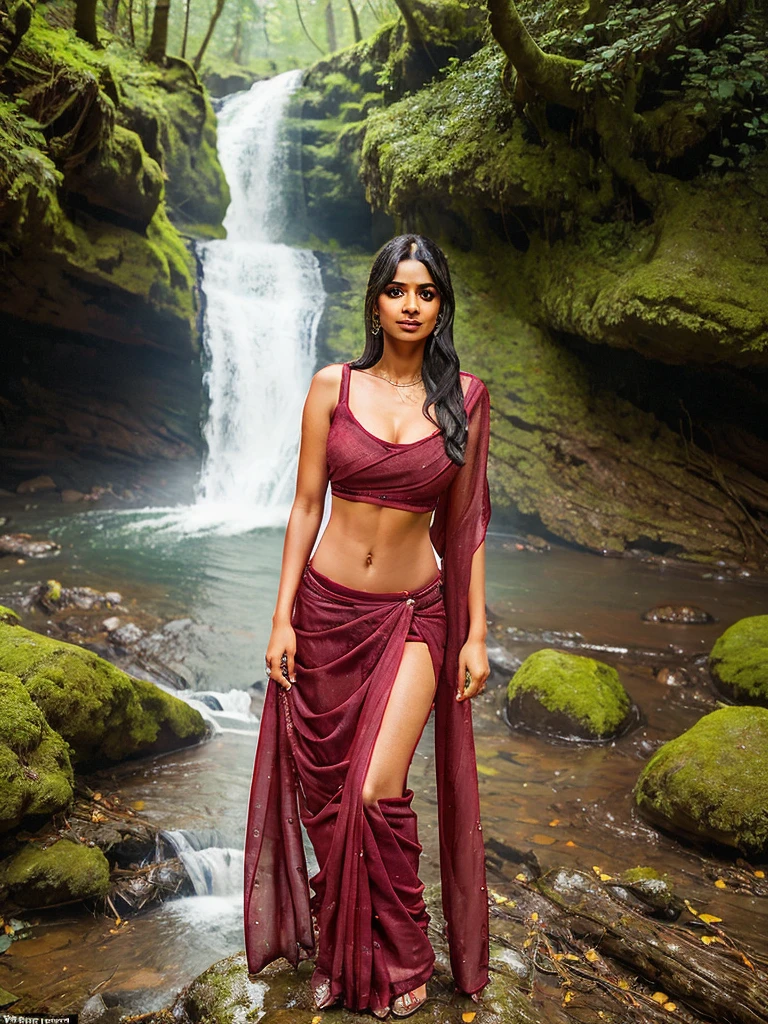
(103, 713)
(21, 544)
(60, 873)
(51, 596)
(35, 770)
(649, 892)
(679, 614)
(70, 496)
(673, 676)
(111, 624)
(226, 994)
(711, 783)
(568, 696)
(126, 636)
(37, 483)
(738, 662)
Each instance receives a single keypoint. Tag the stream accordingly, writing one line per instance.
(212, 553)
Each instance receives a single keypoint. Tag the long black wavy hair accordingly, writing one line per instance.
(440, 367)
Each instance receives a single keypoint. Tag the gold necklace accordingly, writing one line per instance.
(394, 384)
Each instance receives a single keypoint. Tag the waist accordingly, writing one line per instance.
(372, 497)
(421, 596)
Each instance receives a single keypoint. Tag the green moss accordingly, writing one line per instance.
(712, 781)
(583, 689)
(35, 770)
(60, 873)
(9, 616)
(100, 710)
(739, 660)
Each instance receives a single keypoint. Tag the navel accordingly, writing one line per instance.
(369, 558)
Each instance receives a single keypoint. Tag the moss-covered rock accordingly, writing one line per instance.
(738, 661)
(103, 713)
(711, 782)
(8, 616)
(86, 203)
(567, 695)
(35, 770)
(60, 873)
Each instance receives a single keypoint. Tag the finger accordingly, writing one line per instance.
(461, 681)
(291, 668)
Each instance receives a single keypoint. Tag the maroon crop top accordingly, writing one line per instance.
(363, 467)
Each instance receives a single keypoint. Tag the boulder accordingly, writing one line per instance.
(568, 696)
(60, 873)
(35, 770)
(738, 662)
(101, 711)
(711, 783)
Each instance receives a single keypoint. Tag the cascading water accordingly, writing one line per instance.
(263, 304)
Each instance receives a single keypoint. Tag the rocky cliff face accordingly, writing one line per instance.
(108, 169)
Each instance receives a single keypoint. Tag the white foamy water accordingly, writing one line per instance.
(263, 303)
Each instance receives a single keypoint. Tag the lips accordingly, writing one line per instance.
(410, 323)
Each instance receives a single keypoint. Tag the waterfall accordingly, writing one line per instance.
(213, 868)
(263, 302)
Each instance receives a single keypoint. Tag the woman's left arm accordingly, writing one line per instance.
(473, 656)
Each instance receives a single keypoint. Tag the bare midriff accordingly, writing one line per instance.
(376, 548)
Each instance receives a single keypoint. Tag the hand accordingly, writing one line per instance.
(473, 658)
(280, 654)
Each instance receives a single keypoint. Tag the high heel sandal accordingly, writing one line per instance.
(322, 996)
(402, 1009)
(381, 1014)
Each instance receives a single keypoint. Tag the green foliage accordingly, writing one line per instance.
(730, 77)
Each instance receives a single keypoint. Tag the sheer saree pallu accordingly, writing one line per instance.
(314, 748)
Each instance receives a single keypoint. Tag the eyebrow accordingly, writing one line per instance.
(426, 284)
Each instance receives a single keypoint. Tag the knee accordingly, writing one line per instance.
(370, 793)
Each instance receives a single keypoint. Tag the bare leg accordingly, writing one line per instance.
(405, 716)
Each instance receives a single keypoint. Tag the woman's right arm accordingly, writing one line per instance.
(306, 515)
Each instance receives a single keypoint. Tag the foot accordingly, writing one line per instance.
(323, 997)
(381, 1014)
(409, 1002)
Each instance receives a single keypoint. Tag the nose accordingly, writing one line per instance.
(410, 305)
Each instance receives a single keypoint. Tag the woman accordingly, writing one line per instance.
(372, 632)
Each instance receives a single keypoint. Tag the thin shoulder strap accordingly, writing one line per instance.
(344, 388)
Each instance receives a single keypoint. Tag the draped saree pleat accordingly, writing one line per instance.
(315, 745)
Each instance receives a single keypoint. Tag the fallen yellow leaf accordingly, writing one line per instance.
(605, 878)
(623, 983)
(720, 884)
(542, 840)
(710, 919)
(570, 843)
(534, 916)
(138, 805)
(468, 1017)
(592, 955)
(660, 997)
(520, 877)
(317, 1020)
(759, 874)
(555, 821)
(571, 956)
(484, 769)
(568, 997)
(596, 869)
(690, 908)
(97, 796)
(670, 1006)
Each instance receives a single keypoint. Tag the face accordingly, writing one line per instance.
(411, 295)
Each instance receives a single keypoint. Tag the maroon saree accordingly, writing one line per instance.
(315, 744)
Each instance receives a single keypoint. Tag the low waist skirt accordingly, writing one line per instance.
(372, 940)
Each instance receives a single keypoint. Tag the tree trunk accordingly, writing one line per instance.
(330, 26)
(159, 41)
(209, 34)
(85, 22)
(305, 30)
(185, 36)
(131, 31)
(355, 22)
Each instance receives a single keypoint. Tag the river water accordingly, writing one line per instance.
(212, 554)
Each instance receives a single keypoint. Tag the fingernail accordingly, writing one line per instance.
(293, 679)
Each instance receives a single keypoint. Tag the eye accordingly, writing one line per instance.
(391, 291)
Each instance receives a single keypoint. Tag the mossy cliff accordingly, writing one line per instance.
(609, 252)
(104, 161)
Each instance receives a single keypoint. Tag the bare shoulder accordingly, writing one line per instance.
(324, 387)
(469, 380)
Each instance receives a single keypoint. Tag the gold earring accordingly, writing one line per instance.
(375, 323)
